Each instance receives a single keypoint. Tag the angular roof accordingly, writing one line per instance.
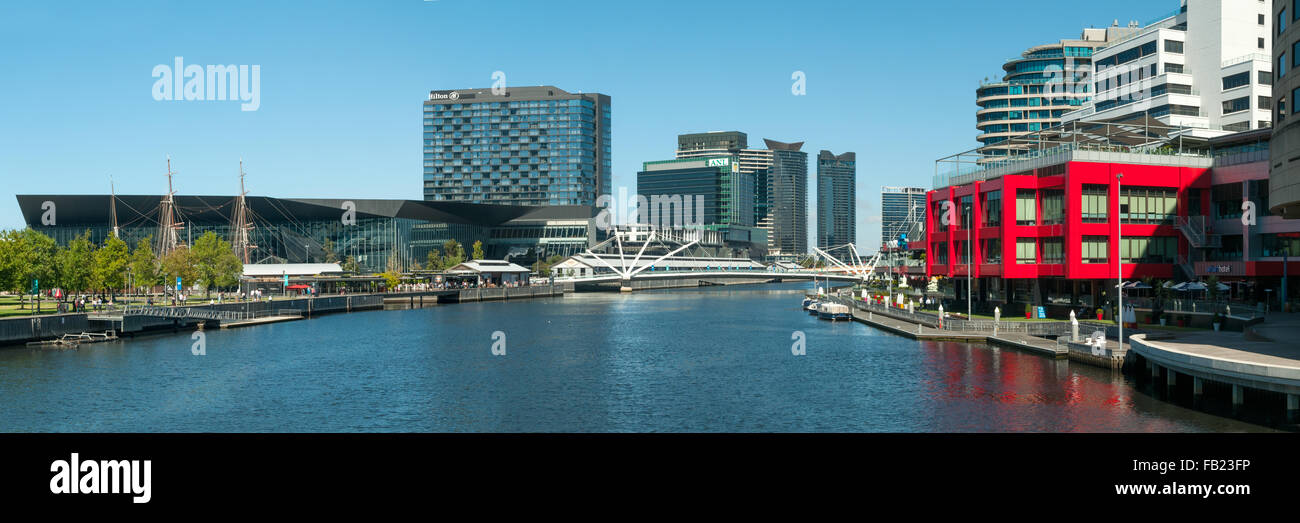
(782, 146)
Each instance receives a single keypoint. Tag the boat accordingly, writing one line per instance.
(833, 311)
(809, 304)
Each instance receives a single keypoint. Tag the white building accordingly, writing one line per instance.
(1207, 66)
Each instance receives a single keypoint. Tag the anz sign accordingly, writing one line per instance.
(718, 162)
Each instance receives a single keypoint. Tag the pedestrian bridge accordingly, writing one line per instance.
(767, 274)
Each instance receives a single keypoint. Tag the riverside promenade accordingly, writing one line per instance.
(1260, 365)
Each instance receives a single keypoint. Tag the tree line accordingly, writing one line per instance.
(28, 256)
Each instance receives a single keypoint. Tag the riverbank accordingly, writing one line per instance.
(1235, 368)
(132, 321)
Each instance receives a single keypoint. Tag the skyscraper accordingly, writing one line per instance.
(1039, 86)
(900, 207)
(836, 199)
(525, 146)
(788, 186)
(753, 163)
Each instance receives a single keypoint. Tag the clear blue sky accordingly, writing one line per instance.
(342, 84)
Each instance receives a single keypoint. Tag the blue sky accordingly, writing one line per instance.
(342, 84)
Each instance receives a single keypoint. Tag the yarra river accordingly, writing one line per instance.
(713, 359)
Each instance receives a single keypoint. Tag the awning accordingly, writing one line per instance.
(298, 287)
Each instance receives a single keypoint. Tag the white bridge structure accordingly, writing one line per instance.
(625, 263)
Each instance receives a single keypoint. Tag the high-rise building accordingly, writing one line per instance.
(900, 207)
(788, 186)
(707, 192)
(1206, 67)
(524, 146)
(712, 143)
(836, 199)
(754, 163)
(1284, 177)
(1038, 87)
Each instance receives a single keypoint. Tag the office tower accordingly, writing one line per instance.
(524, 146)
(836, 199)
(787, 184)
(899, 208)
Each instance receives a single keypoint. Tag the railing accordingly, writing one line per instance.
(1252, 57)
(1032, 328)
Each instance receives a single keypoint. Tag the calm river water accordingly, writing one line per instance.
(701, 360)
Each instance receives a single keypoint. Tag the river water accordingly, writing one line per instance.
(700, 360)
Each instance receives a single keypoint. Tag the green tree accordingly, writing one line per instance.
(215, 264)
(391, 279)
(330, 255)
(455, 253)
(178, 264)
(26, 255)
(478, 250)
(434, 260)
(543, 267)
(110, 265)
(76, 264)
(350, 265)
(144, 265)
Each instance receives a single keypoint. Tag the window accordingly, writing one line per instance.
(1053, 250)
(1261, 43)
(1026, 207)
(992, 250)
(1158, 249)
(1261, 19)
(1275, 245)
(1281, 109)
(1095, 249)
(941, 253)
(992, 207)
(1053, 207)
(1266, 78)
(1236, 80)
(1281, 64)
(1148, 205)
(1236, 105)
(1225, 200)
(1266, 103)
(1281, 21)
(1094, 208)
(1173, 46)
(1173, 68)
(1026, 254)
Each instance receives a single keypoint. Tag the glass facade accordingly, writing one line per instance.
(836, 199)
(527, 146)
(385, 233)
(896, 203)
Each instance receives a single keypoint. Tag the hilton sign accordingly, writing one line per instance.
(449, 95)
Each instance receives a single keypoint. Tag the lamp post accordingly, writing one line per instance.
(969, 254)
(1119, 258)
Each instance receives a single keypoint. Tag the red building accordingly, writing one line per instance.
(1042, 227)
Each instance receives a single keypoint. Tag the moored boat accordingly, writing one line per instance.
(833, 311)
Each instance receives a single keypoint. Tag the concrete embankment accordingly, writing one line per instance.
(1017, 335)
(19, 331)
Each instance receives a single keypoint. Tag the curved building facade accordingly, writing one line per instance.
(1039, 86)
(1284, 151)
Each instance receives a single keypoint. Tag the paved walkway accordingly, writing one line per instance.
(1268, 357)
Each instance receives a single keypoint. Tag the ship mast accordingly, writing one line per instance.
(240, 224)
(112, 206)
(167, 222)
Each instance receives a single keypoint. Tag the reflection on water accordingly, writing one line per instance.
(710, 359)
